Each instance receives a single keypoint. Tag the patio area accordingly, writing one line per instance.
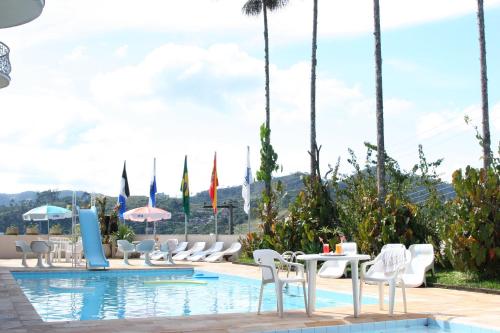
(18, 315)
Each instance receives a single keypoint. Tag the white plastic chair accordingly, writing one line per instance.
(40, 248)
(219, 256)
(266, 259)
(216, 247)
(126, 247)
(182, 246)
(336, 268)
(25, 249)
(146, 247)
(197, 247)
(168, 248)
(422, 260)
(383, 271)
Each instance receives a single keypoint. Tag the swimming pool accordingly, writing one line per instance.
(114, 294)
(422, 325)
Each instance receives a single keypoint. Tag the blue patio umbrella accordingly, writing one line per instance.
(47, 213)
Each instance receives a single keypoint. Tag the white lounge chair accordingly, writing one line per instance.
(41, 248)
(182, 246)
(216, 247)
(146, 247)
(126, 247)
(219, 256)
(25, 249)
(387, 267)
(422, 260)
(197, 247)
(336, 268)
(162, 253)
(266, 259)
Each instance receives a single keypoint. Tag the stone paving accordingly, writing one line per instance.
(17, 315)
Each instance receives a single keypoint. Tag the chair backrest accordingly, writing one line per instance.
(217, 247)
(146, 245)
(181, 246)
(198, 246)
(378, 266)
(235, 247)
(422, 256)
(266, 260)
(349, 248)
(22, 246)
(124, 245)
(40, 246)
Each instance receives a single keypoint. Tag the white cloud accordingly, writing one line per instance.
(122, 51)
(78, 53)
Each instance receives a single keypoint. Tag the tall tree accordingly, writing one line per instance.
(268, 156)
(486, 141)
(380, 104)
(314, 149)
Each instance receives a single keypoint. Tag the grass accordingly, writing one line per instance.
(461, 279)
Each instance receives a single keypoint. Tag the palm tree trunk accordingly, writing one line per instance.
(313, 90)
(484, 87)
(267, 185)
(380, 105)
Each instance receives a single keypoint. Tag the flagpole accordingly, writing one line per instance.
(185, 227)
(215, 226)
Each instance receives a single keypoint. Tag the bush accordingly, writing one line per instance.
(472, 234)
(124, 232)
(12, 230)
(32, 230)
(56, 229)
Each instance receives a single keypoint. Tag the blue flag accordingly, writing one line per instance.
(152, 188)
(124, 192)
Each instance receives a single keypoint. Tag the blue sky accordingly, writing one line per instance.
(91, 88)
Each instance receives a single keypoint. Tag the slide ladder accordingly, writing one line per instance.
(91, 237)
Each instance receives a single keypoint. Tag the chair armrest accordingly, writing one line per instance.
(363, 267)
(270, 268)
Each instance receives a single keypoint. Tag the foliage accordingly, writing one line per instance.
(32, 229)
(268, 165)
(56, 229)
(464, 279)
(397, 220)
(472, 234)
(252, 241)
(312, 215)
(268, 210)
(12, 230)
(124, 232)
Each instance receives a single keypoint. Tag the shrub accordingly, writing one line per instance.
(124, 232)
(56, 229)
(32, 230)
(12, 230)
(472, 234)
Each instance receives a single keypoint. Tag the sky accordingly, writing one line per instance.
(95, 83)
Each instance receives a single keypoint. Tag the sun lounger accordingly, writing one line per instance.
(219, 256)
(216, 247)
(197, 247)
(422, 260)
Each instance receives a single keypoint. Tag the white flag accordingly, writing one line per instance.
(245, 189)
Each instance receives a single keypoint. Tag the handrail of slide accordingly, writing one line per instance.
(91, 237)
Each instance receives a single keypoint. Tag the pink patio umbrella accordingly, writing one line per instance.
(147, 214)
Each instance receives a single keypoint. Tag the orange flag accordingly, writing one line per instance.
(214, 182)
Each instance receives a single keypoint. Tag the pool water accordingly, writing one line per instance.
(90, 295)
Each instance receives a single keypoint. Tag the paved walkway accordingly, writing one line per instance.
(18, 315)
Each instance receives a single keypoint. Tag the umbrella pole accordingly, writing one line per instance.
(154, 230)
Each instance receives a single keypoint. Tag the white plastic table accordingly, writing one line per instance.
(311, 266)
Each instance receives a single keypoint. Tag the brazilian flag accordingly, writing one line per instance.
(185, 188)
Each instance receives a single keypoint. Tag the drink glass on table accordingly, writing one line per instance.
(326, 248)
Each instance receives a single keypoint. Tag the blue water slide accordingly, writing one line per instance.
(91, 237)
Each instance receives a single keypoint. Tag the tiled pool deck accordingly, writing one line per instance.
(18, 315)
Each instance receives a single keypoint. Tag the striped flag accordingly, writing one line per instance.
(214, 182)
(152, 187)
(245, 189)
(124, 191)
(185, 187)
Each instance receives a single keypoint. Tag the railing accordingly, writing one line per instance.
(4, 60)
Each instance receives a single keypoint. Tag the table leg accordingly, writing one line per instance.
(311, 285)
(355, 287)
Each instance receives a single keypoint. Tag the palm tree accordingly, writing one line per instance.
(314, 150)
(484, 87)
(380, 105)
(253, 8)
